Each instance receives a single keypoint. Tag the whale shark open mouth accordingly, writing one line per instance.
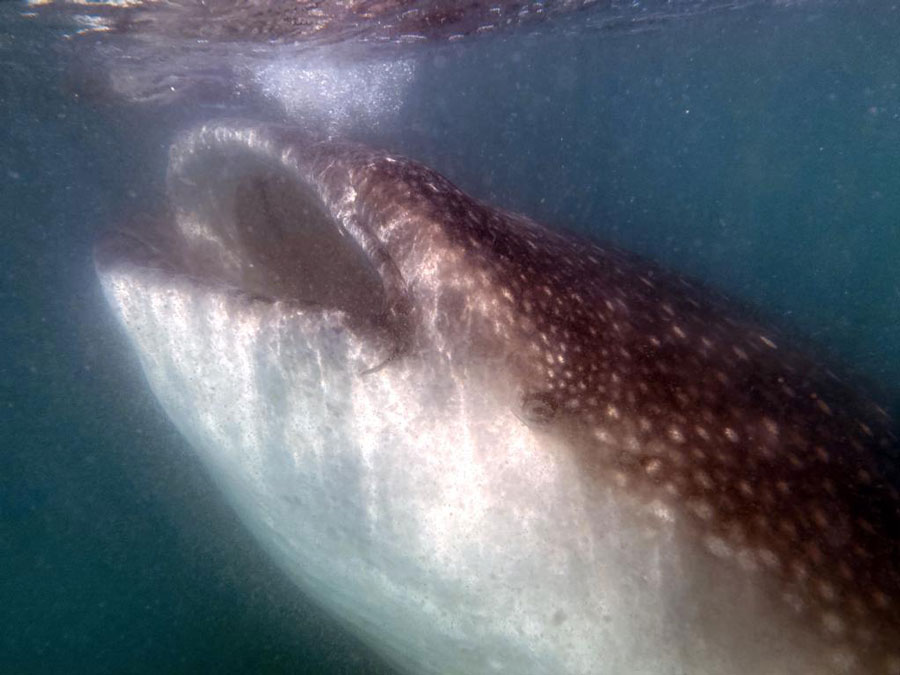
(494, 448)
(245, 218)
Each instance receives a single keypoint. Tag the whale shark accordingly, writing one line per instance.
(491, 446)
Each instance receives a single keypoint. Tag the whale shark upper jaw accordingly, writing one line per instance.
(495, 448)
(246, 220)
(246, 223)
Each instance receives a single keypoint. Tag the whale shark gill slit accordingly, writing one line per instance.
(561, 458)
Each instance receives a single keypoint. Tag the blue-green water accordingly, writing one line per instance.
(117, 554)
(755, 149)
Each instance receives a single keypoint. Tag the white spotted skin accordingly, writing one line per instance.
(534, 455)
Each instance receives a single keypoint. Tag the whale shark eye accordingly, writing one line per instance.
(538, 408)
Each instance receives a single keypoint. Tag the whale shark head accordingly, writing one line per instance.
(490, 447)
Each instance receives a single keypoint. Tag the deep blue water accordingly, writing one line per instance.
(755, 149)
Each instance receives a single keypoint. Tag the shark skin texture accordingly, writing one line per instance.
(493, 447)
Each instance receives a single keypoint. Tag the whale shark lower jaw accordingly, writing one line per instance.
(489, 447)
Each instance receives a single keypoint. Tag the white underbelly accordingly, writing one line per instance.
(414, 504)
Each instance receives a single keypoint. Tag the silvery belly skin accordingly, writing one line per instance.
(490, 447)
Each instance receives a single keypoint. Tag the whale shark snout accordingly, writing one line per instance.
(490, 447)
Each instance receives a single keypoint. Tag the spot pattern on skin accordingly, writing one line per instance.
(781, 468)
(675, 396)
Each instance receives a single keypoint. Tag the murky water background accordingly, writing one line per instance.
(755, 148)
